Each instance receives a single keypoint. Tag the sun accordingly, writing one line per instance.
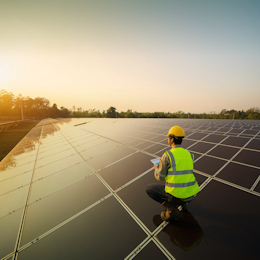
(4, 73)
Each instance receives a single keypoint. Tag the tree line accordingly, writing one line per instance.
(11, 105)
(40, 107)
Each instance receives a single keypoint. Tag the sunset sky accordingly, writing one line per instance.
(166, 55)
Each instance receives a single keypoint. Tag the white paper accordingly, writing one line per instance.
(156, 161)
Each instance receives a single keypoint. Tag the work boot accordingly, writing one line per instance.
(170, 212)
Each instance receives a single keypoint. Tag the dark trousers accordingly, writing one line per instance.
(157, 193)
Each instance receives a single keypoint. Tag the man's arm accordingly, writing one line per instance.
(161, 170)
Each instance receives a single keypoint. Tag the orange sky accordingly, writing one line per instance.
(140, 55)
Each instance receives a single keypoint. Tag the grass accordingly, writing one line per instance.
(10, 138)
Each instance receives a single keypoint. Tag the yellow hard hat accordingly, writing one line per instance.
(176, 131)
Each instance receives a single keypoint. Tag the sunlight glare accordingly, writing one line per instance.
(4, 73)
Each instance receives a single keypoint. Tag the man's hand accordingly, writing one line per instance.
(156, 167)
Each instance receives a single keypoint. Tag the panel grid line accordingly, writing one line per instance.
(49, 194)
(137, 250)
(20, 231)
(163, 249)
(116, 161)
(255, 183)
(8, 256)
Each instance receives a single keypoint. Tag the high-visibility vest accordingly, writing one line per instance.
(180, 181)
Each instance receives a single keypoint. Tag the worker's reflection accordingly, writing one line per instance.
(185, 233)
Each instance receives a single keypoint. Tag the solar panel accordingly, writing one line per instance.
(224, 152)
(241, 175)
(248, 157)
(254, 144)
(208, 164)
(76, 188)
(201, 147)
(95, 234)
(61, 205)
(125, 170)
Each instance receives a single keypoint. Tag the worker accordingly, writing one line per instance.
(176, 168)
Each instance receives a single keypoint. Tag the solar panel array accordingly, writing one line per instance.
(76, 188)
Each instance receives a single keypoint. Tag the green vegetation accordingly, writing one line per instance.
(9, 139)
(252, 113)
(40, 108)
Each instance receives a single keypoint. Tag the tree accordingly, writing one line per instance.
(111, 112)
(180, 114)
(253, 113)
(19, 102)
(41, 107)
(129, 113)
(6, 103)
(29, 107)
(64, 112)
(41, 103)
(54, 111)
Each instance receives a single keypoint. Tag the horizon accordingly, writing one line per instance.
(171, 112)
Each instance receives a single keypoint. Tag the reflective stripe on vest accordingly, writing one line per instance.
(180, 185)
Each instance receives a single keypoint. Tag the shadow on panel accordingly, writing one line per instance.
(185, 233)
(229, 219)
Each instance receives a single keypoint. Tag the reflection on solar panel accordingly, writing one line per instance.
(73, 190)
